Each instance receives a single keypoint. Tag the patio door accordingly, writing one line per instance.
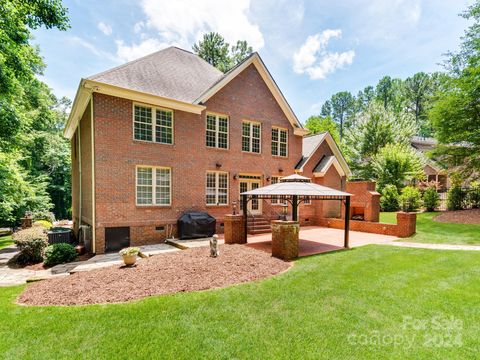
(254, 206)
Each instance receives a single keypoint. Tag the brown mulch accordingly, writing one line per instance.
(460, 217)
(188, 270)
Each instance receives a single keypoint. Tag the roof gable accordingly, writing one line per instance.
(312, 143)
(269, 81)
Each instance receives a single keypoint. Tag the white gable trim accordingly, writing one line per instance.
(272, 86)
(336, 152)
(333, 161)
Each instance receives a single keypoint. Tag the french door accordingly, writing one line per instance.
(254, 206)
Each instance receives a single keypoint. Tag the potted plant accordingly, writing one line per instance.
(129, 255)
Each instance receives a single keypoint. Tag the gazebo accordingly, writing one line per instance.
(295, 189)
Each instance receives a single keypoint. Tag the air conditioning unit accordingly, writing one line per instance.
(85, 237)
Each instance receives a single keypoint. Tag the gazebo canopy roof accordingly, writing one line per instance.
(296, 185)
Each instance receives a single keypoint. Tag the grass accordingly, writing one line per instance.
(429, 231)
(326, 306)
(5, 241)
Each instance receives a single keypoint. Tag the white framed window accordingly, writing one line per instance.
(153, 185)
(216, 135)
(251, 136)
(276, 200)
(152, 124)
(216, 188)
(279, 142)
(307, 201)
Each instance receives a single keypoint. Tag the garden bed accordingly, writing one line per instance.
(460, 217)
(189, 270)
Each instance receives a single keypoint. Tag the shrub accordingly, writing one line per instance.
(389, 198)
(59, 253)
(129, 251)
(431, 199)
(46, 224)
(410, 199)
(44, 215)
(474, 194)
(455, 198)
(31, 243)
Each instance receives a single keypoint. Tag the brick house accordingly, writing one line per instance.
(169, 133)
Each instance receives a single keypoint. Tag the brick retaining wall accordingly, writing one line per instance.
(405, 227)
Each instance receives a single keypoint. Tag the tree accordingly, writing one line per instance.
(326, 109)
(343, 107)
(388, 93)
(30, 124)
(396, 164)
(318, 124)
(455, 114)
(374, 128)
(416, 92)
(240, 52)
(365, 97)
(216, 51)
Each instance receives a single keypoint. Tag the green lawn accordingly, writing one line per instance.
(5, 241)
(429, 231)
(327, 306)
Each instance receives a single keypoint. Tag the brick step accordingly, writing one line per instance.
(259, 231)
(259, 227)
(259, 222)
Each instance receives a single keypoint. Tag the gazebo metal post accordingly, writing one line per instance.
(295, 207)
(347, 222)
(245, 218)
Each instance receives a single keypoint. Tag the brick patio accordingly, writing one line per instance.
(317, 240)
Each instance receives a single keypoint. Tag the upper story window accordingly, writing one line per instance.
(279, 142)
(153, 124)
(153, 185)
(217, 131)
(216, 190)
(251, 135)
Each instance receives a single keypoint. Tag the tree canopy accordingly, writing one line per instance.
(455, 113)
(34, 157)
(217, 52)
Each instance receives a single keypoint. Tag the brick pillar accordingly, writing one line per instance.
(285, 239)
(233, 229)
(406, 224)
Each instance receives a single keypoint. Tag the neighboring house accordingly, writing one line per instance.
(433, 170)
(169, 133)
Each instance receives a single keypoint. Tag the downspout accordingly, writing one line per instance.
(93, 174)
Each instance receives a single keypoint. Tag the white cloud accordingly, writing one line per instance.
(135, 51)
(186, 21)
(92, 48)
(105, 28)
(138, 27)
(313, 59)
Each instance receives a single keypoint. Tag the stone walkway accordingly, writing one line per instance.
(433, 246)
(9, 276)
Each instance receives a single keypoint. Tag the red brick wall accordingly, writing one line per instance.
(117, 154)
(405, 226)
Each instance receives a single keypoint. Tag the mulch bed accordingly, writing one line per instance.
(460, 217)
(188, 270)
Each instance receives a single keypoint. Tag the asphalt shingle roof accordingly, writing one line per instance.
(172, 73)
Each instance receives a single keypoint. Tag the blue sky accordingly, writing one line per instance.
(312, 48)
